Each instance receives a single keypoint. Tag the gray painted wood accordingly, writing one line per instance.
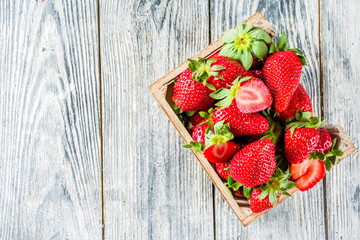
(153, 189)
(302, 216)
(50, 186)
(340, 52)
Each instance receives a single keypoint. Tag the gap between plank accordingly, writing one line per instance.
(101, 129)
(322, 116)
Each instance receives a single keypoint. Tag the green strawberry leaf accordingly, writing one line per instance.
(337, 152)
(259, 34)
(282, 42)
(272, 47)
(328, 164)
(246, 59)
(264, 194)
(220, 94)
(247, 192)
(259, 49)
(229, 36)
(236, 186)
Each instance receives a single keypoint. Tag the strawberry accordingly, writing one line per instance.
(299, 101)
(198, 134)
(228, 70)
(301, 137)
(307, 173)
(241, 123)
(190, 95)
(325, 142)
(267, 195)
(195, 119)
(218, 145)
(250, 94)
(257, 205)
(222, 169)
(282, 72)
(239, 192)
(258, 73)
(245, 42)
(254, 164)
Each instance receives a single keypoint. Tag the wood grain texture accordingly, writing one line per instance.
(302, 216)
(49, 121)
(153, 189)
(340, 40)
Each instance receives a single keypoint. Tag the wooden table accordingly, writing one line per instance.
(86, 153)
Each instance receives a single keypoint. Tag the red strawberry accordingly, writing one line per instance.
(199, 132)
(221, 170)
(282, 72)
(299, 101)
(257, 205)
(218, 144)
(190, 95)
(195, 119)
(300, 143)
(250, 94)
(230, 69)
(254, 164)
(325, 142)
(244, 43)
(241, 123)
(308, 173)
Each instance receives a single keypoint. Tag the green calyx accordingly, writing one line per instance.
(184, 116)
(208, 116)
(282, 46)
(202, 70)
(274, 131)
(231, 183)
(196, 146)
(278, 183)
(227, 95)
(303, 119)
(221, 134)
(331, 158)
(244, 42)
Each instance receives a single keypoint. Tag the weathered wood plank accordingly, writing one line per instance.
(340, 40)
(153, 189)
(50, 186)
(300, 217)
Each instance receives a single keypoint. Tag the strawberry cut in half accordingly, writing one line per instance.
(250, 94)
(218, 145)
(308, 173)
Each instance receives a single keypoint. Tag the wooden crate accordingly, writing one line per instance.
(162, 91)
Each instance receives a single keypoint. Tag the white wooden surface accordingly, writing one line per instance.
(50, 149)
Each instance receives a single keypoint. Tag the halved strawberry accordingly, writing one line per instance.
(308, 173)
(250, 94)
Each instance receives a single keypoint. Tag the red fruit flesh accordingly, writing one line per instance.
(299, 101)
(282, 72)
(198, 134)
(300, 144)
(325, 142)
(253, 96)
(190, 95)
(221, 152)
(308, 173)
(233, 69)
(220, 169)
(254, 164)
(241, 123)
(257, 205)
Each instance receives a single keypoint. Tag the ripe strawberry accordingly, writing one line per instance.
(221, 169)
(241, 123)
(268, 194)
(198, 134)
(195, 119)
(190, 95)
(254, 164)
(325, 141)
(218, 144)
(299, 101)
(282, 72)
(244, 42)
(307, 173)
(228, 70)
(301, 137)
(257, 205)
(250, 94)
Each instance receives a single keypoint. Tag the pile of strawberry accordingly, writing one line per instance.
(251, 117)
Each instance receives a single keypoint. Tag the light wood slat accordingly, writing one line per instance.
(340, 40)
(154, 189)
(50, 186)
(299, 217)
